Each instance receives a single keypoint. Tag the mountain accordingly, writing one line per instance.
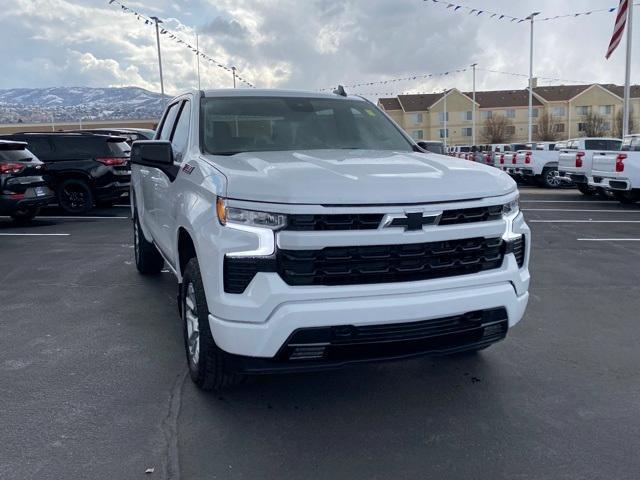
(33, 105)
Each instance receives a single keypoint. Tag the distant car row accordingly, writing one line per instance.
(594, 165)
(77, 169)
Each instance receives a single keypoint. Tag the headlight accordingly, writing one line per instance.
(511, 209)
(240, 216)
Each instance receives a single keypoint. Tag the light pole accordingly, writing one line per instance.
(627, 80)
(531, 17)
(233, 70)
(473, 110)
(445, 118)
(157, 20)
(198, 59)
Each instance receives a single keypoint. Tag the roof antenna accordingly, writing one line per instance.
(340, 91)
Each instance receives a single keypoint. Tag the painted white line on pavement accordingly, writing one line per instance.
(586, 202)
(608, 239)
(41, 217)
(577, 210)
(34, 234)
(583, 221)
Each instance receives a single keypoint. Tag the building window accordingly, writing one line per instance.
(558, 128)
(467, 132)
(558, 112)
(510, 129)
(486, 114)
(583, 110)
(582, 127)
(417, 134)
(416, 118)
(444, 133)
(510, 113)
(441, 116)
(606, 109)
(467, 115)
(534, 113)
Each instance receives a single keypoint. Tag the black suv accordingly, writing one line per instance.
(84, 168)
(23, 186)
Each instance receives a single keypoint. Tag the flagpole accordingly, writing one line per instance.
(627, 80)
(157, 21)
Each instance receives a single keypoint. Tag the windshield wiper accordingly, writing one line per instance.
(227, 154)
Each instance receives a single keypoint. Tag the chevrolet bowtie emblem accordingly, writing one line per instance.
(410, 221)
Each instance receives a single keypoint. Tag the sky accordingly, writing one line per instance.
(307, 44)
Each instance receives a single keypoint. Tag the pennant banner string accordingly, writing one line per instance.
(178, 40)
(394, 80)
(503, 16)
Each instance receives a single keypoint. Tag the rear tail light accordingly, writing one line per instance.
(579, 156)
(11, 167)
(514, 157)
(502, 159)
(527, 157)
(620, 162)
(112, 161)
(487, 158)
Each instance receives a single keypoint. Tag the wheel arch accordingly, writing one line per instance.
(186, 249)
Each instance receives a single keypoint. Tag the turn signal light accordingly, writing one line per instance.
(620, 162)
(579, 156)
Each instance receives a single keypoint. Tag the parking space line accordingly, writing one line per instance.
(577, 210)
(583, 221)
(587, 202)
(80, 218)
(35, 234)
(608, 239)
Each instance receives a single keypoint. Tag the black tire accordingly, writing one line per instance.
(550, 178)
(25, 215)
(148, 259)
(74, 196)
(205, 359)
(627, 198)
(586, 189)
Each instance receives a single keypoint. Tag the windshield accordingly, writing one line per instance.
(235, 125)
(602, 144)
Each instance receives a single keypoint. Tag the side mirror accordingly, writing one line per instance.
(152, 153)
(156, 154)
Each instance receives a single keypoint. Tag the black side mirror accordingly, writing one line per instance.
(155, 153)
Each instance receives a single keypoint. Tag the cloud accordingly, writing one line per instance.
(307, 44)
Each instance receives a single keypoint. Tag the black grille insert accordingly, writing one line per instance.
(389, 263)
(371, 221)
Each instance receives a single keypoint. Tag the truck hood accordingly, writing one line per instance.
(356, 177)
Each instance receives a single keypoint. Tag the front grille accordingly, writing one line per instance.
(389, 263)
(358, 342)
(371, 221)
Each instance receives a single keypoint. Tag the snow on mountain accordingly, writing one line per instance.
(72, 103)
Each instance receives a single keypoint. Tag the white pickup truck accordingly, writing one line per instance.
(308, 231)
(619, 172)
(506, 159)
(538, 163)
(576, 161)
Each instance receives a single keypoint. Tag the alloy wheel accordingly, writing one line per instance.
(193, 330)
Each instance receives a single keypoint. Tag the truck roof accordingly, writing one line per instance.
(272, 92)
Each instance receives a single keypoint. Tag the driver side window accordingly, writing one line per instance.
(169, 120)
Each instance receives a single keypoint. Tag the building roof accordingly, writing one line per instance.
(560, 93)
(390, 103)
(418, 102)
(619, 90)
(503, 98)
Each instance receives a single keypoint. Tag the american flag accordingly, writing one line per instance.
(618, 28)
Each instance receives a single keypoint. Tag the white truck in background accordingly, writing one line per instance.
(538, 164)
(576, 161)
(619, 172)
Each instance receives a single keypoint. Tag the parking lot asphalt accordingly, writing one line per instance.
(94, 380)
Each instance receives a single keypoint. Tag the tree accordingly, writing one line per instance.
(498, 129)
(594, 125)
(617, 123)
(546, 127)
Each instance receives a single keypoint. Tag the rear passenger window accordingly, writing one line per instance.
(169, 120)
(40, 147)
(79, 147)
(180, 138)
